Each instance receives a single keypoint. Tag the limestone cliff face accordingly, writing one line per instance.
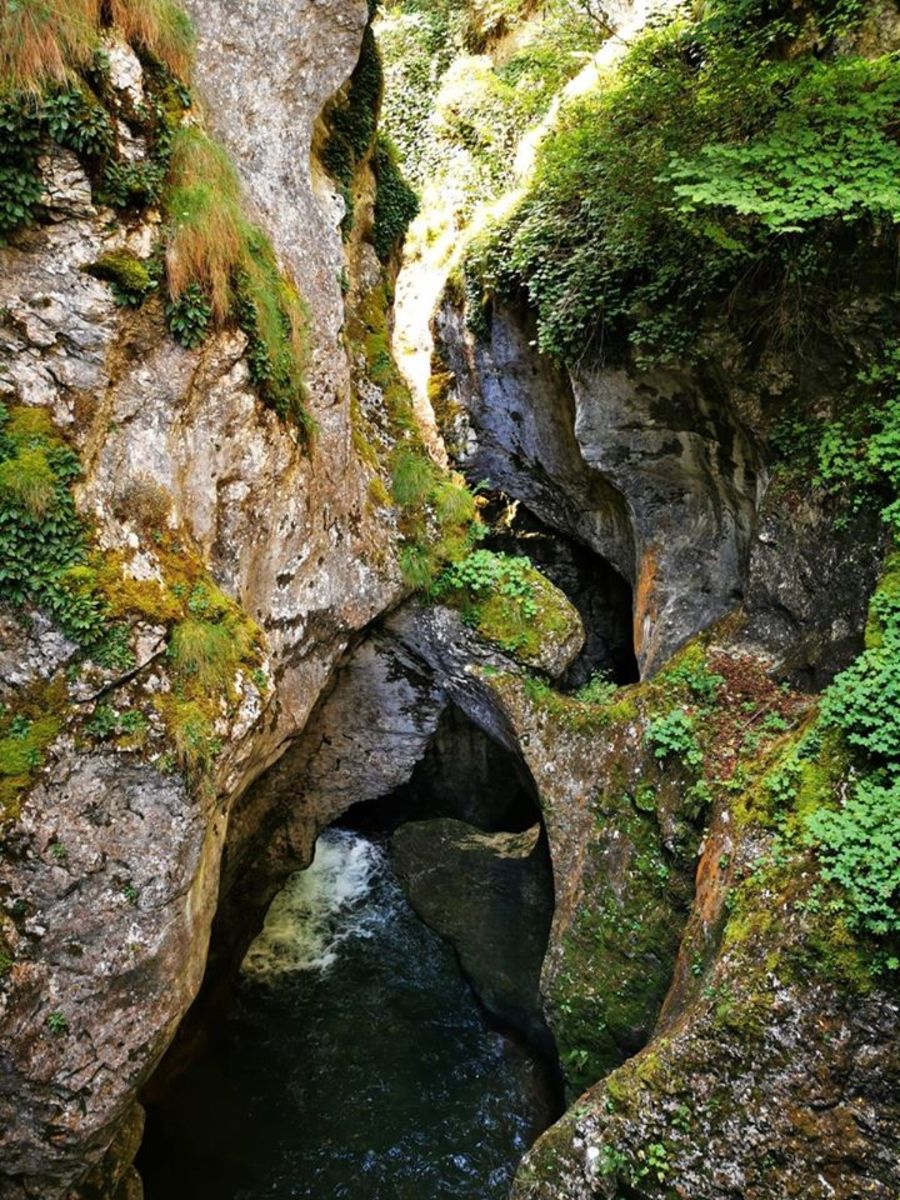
(119, 858)
(663, 473)
(109, 933)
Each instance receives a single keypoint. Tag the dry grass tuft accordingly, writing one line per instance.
(208, 237)
(160, 27)
(42, 40)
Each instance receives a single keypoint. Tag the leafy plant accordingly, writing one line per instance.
(352, 118)
(20, 142)
(828, 153)
(57, 1023)
(483, 573)
(599, 689)
(396, 204)
(657, 196)
(506, 599)
(859, 848)
(43, 547)
(189, 317)
(864, 700)
(675, 734)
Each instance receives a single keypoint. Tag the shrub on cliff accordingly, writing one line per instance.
(710, 163)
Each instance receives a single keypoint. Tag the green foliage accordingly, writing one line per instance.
(859, 848)
(675, 734)
(693, 674)
(74, 116)
(57, 1023)
(851, 817)
(131, 184)
(396, 204)
(20, 144)
(221, 267)
(353, 118)
(274, 318)
(458, 97)
(657, 196)
(859, 453)
(208, 652)
(43, 546)
(830, 153)
(23, 742)
(507, 600)
(483, 573)
(189, 317)
(599, 689)
(76, 119)
(864, 701)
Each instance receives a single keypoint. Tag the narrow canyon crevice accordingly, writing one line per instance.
(462, 841)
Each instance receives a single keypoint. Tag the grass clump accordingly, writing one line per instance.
(27, 483)
(220, 267)
(206, 241)
(208, 646)
(160, 28)
(43, 42)
(412, 478)
(207, 652)
(438, 517)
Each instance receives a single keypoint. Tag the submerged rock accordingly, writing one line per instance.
(491, 896)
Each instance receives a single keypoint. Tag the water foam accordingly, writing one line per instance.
(318, 908)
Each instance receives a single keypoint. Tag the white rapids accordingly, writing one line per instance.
(318, 909)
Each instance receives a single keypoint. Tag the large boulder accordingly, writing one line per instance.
(491, 896)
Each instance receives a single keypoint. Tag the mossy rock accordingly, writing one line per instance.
(509, 602)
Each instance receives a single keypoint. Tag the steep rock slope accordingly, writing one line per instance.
(110, 865)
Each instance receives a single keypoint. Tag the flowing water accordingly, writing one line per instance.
(356, 1062)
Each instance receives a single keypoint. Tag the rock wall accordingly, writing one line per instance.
(108, 935)
(655, 472)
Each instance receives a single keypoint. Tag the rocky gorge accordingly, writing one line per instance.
(409, 424)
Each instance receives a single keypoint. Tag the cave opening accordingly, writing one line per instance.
(384, 1037)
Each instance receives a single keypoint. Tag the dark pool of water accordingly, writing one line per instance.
(355, 1063)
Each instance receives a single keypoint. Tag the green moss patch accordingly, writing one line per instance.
(508, 601)
(27, 728)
